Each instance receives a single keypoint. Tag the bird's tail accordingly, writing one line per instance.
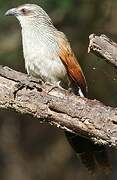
(93, 156)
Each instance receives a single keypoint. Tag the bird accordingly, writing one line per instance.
(48, 55)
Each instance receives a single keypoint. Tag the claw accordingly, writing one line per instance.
(25, 84)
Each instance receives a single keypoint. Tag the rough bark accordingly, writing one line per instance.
(104, 47)
(58, 107)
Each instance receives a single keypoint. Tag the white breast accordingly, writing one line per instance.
(42, 59)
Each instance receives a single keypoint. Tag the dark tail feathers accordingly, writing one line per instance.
(93, 156)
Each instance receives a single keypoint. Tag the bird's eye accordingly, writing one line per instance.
(25, 11)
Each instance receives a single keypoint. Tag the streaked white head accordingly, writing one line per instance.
(30, 14)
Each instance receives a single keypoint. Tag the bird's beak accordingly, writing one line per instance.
(12, 12)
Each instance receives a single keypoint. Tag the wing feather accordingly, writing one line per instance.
(72, 66)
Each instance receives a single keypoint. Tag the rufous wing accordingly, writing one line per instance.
(72, 66)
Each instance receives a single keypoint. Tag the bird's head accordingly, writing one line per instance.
(29, 13)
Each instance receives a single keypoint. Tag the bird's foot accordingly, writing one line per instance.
(28, 83)
(33, 79)
(53, 86)
(23, 84)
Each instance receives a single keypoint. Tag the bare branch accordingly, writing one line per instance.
(88, 118)
(104, 47)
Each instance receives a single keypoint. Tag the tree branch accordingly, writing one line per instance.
(58, 107)
(104, 47)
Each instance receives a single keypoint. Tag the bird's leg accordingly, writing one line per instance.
(35, 80)
(28, 83)
(53, 86)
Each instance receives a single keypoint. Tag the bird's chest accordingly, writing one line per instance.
(43, 61)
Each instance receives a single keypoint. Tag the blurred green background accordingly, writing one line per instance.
(30, 150)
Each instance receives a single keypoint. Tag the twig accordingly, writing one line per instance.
(104, 47)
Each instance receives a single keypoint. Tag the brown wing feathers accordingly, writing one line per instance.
(72, 66)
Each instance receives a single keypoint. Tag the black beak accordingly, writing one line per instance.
(12, 12)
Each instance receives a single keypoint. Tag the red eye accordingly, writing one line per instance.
(24, 11)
